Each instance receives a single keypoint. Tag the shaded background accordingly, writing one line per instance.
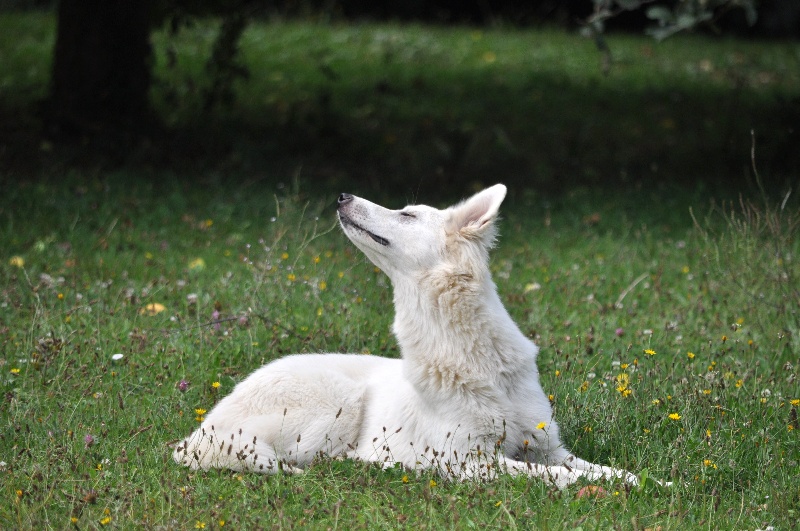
(102, 107)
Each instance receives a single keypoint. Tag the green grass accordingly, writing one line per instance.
(197, 221)
(96, 254)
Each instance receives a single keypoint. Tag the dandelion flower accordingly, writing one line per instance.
(795, 402)
(650, 352)
(323, 285)
(215, 385)
(432, 483)
(533, 286)
(154, 308)
(674, 416)
(15, 370)
(198, 264)
(541, 425)
(199, 525)
(405, 479)
(105, 521)
(690, 355)
(17, 261)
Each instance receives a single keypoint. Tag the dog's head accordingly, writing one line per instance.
(418, 238)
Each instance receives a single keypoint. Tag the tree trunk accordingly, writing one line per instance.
(101, 68)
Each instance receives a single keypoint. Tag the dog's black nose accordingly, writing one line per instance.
(345, 198)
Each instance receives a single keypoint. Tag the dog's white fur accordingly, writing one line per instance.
(464, 399)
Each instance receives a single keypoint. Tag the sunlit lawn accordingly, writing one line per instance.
(658, 357)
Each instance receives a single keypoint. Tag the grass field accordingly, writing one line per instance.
(245, 276)
(668, 319)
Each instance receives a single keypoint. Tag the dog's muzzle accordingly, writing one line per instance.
(345, 200)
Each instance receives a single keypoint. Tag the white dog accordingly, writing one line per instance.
(464, 399)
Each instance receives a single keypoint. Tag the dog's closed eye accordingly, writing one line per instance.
(407, 214)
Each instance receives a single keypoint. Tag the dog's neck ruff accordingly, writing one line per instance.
(456, 337)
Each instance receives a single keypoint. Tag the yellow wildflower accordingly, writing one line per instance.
(152, 309)
(197, 264)
(674, 416)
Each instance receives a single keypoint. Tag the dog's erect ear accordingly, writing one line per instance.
(474, 218)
